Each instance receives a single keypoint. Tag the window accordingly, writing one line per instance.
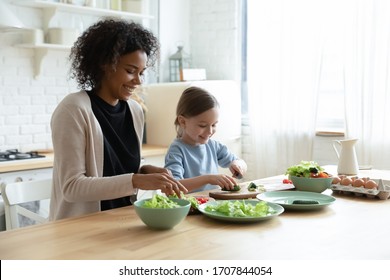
(330, 117)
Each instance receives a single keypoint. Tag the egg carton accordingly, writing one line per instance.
(382, 192)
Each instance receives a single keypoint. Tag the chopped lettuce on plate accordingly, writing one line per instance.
(239, 208)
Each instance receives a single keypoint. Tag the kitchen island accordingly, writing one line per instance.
(353, 228)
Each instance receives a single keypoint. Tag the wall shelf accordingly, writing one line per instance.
(52, 7)
(49, 11)
(40, 51)
(45, 46)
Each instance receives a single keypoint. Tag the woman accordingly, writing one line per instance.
(97, 132)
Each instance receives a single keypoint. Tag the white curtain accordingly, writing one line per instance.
(367, 80)
(285, 51)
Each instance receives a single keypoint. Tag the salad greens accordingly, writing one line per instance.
(304, 169)
(194, 202)
(240, 208)
(160, 201)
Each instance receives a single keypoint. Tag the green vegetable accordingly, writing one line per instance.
(235, 189)
(304, 169)
(160, 201)
(252, 187)
(305, 202)
(240, 209)
(194, 202)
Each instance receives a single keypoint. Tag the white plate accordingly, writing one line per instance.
(219, 216)
(297, 199)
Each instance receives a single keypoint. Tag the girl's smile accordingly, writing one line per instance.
(199, 129)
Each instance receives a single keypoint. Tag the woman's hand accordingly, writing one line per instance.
(158, 181)
(238, 168)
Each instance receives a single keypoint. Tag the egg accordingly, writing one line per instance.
(370, 184)
(358, 183)
(346, 181)
(365, 179)
(336, 180)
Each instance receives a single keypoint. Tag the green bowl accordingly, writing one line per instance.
(317, 185)
(162, 218)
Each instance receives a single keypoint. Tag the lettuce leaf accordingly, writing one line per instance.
(304, 169)
(160, 201)
(191, 199)
(240, 209)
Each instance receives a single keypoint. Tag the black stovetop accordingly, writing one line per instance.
(14, 154)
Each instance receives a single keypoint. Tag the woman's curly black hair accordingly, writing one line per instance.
(103, 44)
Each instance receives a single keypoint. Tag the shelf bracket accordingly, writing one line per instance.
(40, 53)
(48, 14)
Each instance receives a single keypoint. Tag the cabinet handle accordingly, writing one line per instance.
(18, 179)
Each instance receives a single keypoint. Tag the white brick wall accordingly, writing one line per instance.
(26, 103)
(214, 38)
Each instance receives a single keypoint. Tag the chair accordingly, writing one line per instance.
(18, 195)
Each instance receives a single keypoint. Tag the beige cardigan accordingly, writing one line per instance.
(78, 185)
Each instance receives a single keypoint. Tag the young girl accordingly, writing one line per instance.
(193, 157)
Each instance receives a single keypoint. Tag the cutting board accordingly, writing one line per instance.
(241, 194)
(244, 193)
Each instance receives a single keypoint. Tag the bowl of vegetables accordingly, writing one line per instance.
(161, 212)
(309, 176)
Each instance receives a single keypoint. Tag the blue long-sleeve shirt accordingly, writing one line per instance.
(187, 161)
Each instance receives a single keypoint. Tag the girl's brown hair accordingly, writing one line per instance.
(193, 102)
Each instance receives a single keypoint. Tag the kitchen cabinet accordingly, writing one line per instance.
(154, 160)
(153, 155)
(50, 9)
(150, 153)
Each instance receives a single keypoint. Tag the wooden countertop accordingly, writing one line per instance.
(352, 228)
(47, 161)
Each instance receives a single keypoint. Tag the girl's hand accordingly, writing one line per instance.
(158, 181)
(238, 168)
(224, 181)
